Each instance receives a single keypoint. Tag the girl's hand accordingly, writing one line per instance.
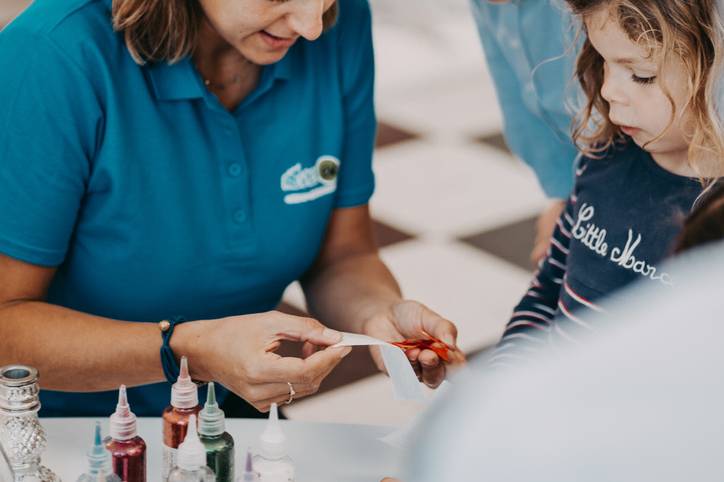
(545, 226)
(239, 352)
(412, 320)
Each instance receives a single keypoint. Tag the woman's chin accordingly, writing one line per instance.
(263, 55)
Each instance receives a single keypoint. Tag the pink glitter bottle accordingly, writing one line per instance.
(128, 450)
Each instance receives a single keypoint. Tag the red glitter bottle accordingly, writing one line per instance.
(184, 403)
(128, 450)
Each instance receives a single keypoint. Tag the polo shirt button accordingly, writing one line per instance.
(234, 170)
(239, 216)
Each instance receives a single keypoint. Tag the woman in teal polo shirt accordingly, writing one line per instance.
(192, 158)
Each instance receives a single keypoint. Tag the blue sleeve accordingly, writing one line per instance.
(528, 327)
(49, 121)
(530, 137)
(356, 181)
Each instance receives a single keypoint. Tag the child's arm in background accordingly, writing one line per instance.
(534, 314)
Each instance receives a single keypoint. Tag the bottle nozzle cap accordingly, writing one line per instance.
(249, 474)
(191, 452)
(184, 393)
(99, 460)
(273, 441)
(123, 421)
(212, 421)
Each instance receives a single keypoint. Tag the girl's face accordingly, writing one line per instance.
(264, 30)
(638, 104)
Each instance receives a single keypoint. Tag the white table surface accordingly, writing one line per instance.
(321, 452)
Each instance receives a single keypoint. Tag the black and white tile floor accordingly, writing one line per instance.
(454, 210)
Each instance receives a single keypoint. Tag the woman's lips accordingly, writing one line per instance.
(276, 42)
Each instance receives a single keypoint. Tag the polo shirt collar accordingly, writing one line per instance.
(177, 81)
(180, 81)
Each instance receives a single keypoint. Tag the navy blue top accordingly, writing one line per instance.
(619, 224)
(152, 199)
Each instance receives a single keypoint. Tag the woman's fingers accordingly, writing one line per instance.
(433, 369)
(282, 399)
(415, 320)
(309, 349)
(305, 330)
(270, 381)
(257, 394)
(440, 328)
(266, 394)
(300, 370)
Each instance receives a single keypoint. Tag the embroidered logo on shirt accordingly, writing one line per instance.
(594, 238)
(308, 184)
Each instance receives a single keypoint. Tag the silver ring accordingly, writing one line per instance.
(291, 393)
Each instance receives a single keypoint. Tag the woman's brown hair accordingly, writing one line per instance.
(167, 30)
(688, 29)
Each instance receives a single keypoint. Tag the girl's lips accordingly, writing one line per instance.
(629, 131)
(276, 42)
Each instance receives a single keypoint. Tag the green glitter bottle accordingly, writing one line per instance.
(218, 443)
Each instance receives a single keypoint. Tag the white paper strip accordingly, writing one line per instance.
(404, 381)
(400, 438)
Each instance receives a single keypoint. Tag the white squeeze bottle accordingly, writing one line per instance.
(273, 464)
(191, 459)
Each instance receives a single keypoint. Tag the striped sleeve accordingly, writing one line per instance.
(532, 318)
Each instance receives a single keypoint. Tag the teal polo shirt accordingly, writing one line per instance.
(152, 199)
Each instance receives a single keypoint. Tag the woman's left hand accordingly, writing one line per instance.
(413, 320)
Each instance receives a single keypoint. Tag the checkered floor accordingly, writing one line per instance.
(454, 210)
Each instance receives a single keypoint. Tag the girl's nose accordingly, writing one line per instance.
(611, 89)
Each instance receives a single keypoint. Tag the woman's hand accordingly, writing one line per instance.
(239, 352)
(410, 319)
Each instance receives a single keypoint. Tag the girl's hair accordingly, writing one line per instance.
(705, 224)
(689, 30)
(167, 30)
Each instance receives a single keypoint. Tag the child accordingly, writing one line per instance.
(651, 142)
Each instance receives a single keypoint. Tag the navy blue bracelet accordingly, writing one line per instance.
(168, 359)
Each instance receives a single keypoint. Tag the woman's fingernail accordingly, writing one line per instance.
(331, 334)
(430, 363)
(448, 340)
(346, 351)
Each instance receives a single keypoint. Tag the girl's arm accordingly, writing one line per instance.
(535, 313)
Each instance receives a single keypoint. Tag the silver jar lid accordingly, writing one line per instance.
(19, 388)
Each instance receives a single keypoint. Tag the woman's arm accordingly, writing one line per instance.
(74, 351)
(349, 282)
(79, 352)
(351, 289)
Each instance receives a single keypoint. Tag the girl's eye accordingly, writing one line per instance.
(643, 80)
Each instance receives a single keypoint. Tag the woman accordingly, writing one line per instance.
(191, 158)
